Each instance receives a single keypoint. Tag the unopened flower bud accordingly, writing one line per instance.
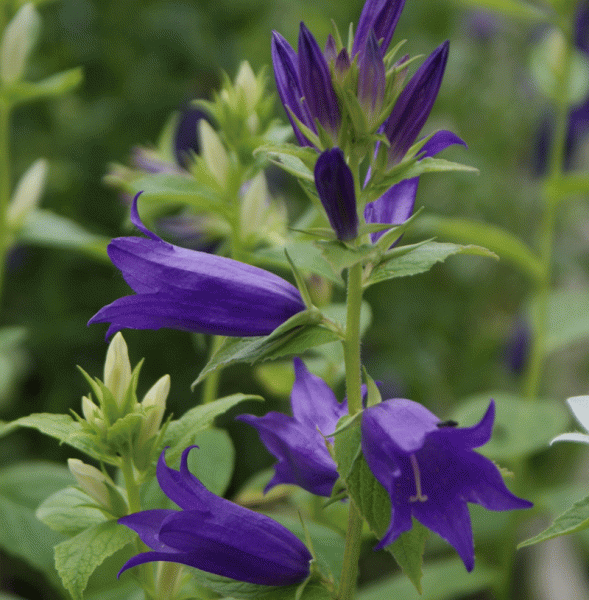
(91, 480)
(117, 368)
(92, 413)
(213, 153)
(254, 205)
(17, 42)
(246, 81)
(27, 193)
(154, 405)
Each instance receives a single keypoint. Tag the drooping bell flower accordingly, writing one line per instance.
(335, 186)
(193, 291)
(431, 471)
(396, 205)
(371, 79)
(297, 443)
(215, 535)
(304, 84)
(380, 16)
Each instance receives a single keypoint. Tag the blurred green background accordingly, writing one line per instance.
(436, 338)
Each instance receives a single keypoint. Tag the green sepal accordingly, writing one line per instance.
(391, 236)
(300, 281)
(307, 155)
(306, 131)
(418, 258)
(373, 396)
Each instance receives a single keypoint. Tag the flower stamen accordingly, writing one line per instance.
(418, 496)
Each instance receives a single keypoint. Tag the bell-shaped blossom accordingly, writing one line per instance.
(215, 535)
(297, 442)
(193, 291)
(396, 205)
(414, 104)
(304, 84)
(430, 471)
(335, 186)
(380, 16)
(579, 406)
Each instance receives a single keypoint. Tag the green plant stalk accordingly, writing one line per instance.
(5, 110)
(550, 203)
(211, 385)
(347, 589)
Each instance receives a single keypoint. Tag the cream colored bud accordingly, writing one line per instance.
(27, 193)
(18, 40)
(117, 368)
(246, 81)
(213, 153)
(254, 205)
(154, 404)
(91, 480)
(89, 410)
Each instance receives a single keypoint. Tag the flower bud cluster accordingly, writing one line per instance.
(119, 423)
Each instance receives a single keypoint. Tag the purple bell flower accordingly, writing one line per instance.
(396, 205)
(430, 471)
(335, 186)
(303, 458)
(193, 291)
(215, 535)
(371, 78)
(304, 84)
(380, 16)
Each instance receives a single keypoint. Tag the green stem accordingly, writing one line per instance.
(347, 589)
(211, 386)
(4, 184)
(556, 162)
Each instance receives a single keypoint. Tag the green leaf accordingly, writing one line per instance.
(44, 228)
(214, 459)
(181, 432)
(568, 318)
(61, 427)
(69, 511)
(55, 85)
(374, 504)
(421, 258)
(341, 257)
(293, 337)
(506, 245)
(307, 155)
(77, 558)
(521, 428)
(511, 8)
(574, 519)
(293, 165)
(442, 580)
(177, 189)
(566, 185)
(22, 488)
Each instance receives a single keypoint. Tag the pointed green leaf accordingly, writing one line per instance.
(420, 259)
(341, 257)
(55, 85)
(77, 558)
(574, 519)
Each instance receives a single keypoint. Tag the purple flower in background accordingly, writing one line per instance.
(297, 443)
(335, 186)
(193, 291)
(430, 471)
(186, 139)
(304, 84)
(215, 535)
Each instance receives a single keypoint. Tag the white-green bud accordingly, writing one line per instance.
(117, 368)
(91, 480)
(213, 153)
(18, 40)
(154, 405)
(247, 84)
(254, 205)
(27, 193)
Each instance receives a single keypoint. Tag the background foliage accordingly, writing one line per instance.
(439, 338)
